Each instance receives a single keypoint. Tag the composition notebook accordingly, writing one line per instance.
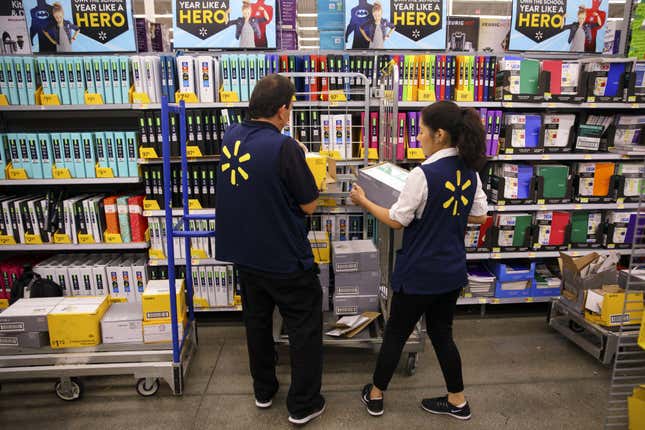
(529, 76)
(555, 180)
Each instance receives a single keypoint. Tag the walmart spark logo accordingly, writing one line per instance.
(459, 188)
(238, 160)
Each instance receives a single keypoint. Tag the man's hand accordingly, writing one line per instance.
(357, 194)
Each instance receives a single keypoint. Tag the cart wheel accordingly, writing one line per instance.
(71, 392)
(146, 388)
(575, 327)
(411, 365)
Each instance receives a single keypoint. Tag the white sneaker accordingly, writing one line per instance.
(263, 405)
(308, 418)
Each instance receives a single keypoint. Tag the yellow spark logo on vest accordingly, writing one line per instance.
(238, 160)
(453, 200)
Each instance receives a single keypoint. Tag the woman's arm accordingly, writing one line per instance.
(50, 38)
(380, 213)
(369, 39)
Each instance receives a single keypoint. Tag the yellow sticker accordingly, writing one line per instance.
(483, 301)
(156, 254)
(85, 238)
(197, 254)
(49, 100)
(229, 97)
(93, 99)
(3, 100)
(529, 300)
(62, 238)
(104, 172)
(140, 98)
(427, 95)
(61, 173)
(148, 153)
(336, 96)
(193, 151)
(113, 238)
(33, 239)
(186, 97)
(7, 240)
(13, 173)
(194, 204)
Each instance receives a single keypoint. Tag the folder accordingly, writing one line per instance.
(579, 226)
(522, 223)
(557, 129)
(36, 169)
(529, 76)
(29, 68)
(71, 81)
(131, 153)
(559, 223)
(97, 69)
(77, 155)
(124, 220)
(602, 178)
(88, 155)
(88, 75)
(555, 180)
(46, 155)
(110, 145)
(243, 78)
(125, 81)
(117, 96)
(100, 148)
(43, 72)
(61, 67)
(554, 67)
(138, 223)
(614, 79)
(533, 126)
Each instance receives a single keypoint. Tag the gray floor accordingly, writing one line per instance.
(519, 375)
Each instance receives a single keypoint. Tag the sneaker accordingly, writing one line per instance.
(441, 406)
(306, 419)
(263, 404)
(374, 406)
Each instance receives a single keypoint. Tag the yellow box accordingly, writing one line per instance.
(76, 322)
(320, 246)
(636, 409)
(155, 300)
(323, 168)
(641, 337)
(605, 306)
(160, 331)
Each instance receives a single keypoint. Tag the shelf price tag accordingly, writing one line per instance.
(16, 173)
(104, 172)
(496, 255)
(468, 295)
(426, 95)
(237, 300)
(140, 98)
(3, 100)
(156, 254)
(61, 173)
(578, 207)
(93, 99)
(529, 300)
(193, 152)
(229, 97)
(200, 302)
(4, 303)
(151, 205)
(584, 200)
(495, 301)
(533, 254)
(337, 96)
(7, 240)
(49, 100)
(33, 239)
(194, 204)
(85, 239)
(113, 238)
(482, 301)
(186, 97)
(632, 99)
(62, 238)
(198, 254)
(148, 153)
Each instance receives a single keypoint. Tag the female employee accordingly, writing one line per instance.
(439, 198)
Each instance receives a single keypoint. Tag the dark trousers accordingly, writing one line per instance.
(405, 312)
(299, 300)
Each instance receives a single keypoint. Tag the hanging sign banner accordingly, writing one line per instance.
(200, 24)
(80, 25)
(13, 28)
(395, 24)
(558, 25)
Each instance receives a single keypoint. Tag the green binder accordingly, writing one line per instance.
(529, 76)
(522, 222)
(579, 226)
(555, 180)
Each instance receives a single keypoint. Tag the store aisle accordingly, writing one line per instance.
(519, 375)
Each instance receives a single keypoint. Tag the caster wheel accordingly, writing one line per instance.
(69, 391)
(147, 387)
(411, 365)
(576, 327)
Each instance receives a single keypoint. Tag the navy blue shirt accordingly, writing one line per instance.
(262, 180)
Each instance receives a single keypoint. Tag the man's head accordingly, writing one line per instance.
(271, 100)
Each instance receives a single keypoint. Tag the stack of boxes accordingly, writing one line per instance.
(75, 322)
(321, 248)
(157, 327)
(356, 274)
(122, 323)
(24, 324)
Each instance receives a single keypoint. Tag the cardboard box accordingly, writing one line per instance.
(28, 315)
(354, 305)
(325, 299)
(161, 331)
(636, 408)
(33, 339)
(76, 322)
(122, 323)
(155, 300)
(323, 168)
(357, 283)
(574, 284)
(320, 246)
(324, 275)
(605, 306)
(354, 256)
(382, 183)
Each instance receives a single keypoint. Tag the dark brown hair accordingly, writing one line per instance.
(269, 95)
(465, 128)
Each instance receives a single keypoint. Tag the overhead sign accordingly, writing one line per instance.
(200, 24)
(80, 25)
(13, 28)
(558, 25)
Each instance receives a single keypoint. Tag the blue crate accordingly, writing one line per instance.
(505, 294)
(500, 270)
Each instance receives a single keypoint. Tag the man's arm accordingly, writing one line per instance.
(309, 208)
(297, 177)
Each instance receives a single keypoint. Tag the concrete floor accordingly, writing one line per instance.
(519, 374)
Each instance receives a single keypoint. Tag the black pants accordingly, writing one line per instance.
(405, 311)
(299, 300)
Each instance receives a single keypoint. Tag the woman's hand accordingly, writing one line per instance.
(357, 194)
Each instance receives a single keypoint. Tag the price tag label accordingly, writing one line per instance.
(33, 239)
(426, 96)
(198, 254)
(482, 301)
(3, 100)
(497, 249)
(591, 99)
(501, 203)
(543, 207)
(229, 97)
(237, 300)
(578, 207)
(510, 151)
(501, 208)
(496, 255)
(506, 157)
(620, 205)
(156, 254)
(93, 99)
(337, 96)
(529, 300)
(7, 240)
(104, 172)
(540, 201)
(584, 199)
(113, 238)
(148, 153)
(588, 157)
(140, 98)
(49, 100)
(533, 254)
(151, 205)
(611, 246)
(85, 238)
(187, 97)
(632, 99)
(620, 200)
(508, 97)
(193, 152)
(468, 295)
(17, 173)
(62, 238)
(194, 204)
(495, 301)
(546, 157)
(61, 173)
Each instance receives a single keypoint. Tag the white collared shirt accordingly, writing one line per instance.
(413, 197)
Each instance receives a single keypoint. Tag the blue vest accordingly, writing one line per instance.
(432, 259)
(259, 225)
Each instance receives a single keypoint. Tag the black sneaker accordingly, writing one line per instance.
(265, 403)
(301, 421)
(441, 406)
(374, 406)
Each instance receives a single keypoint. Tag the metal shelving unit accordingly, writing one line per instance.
(207, 158)
(74, 181)
(76, 247)
(564, 206)
(35, 108)
(194, 262)
(570, 156)
(496, 301)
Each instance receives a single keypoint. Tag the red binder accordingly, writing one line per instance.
(324, 82)
(559, 223)
(480, 79)
(138, 223)
(555, 68)
(284, 63)
(442, 77)
(484, 230)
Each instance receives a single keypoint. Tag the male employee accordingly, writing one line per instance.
(264, 192)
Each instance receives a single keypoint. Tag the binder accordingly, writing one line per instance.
(29, 67)
(43, 72)
(554, 67)
(602, 178)
(401, 134)
(97, 69)
(137, 74)
(46, 155)
(77, 155)
(253, 73)
(71, 81)
(116, 81)
(579, 226)
(88, 155)
(61, 71)
(138, 223)
(36, 169)
(131, 153)
(88, 74)
(100, 149)
(522, 223)
(152, 78)
(555, 180)
(529, 76)
(121, 152)
(614, 79)
(234, 71)
(412, 129)
(123, 215)
(244, 78)
(67, 151)
(111, 148)
(125, 81)
(19, 76)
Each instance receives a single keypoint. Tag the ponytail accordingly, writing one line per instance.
(464, 126)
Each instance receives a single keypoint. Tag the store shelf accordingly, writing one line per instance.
(496, 301)
(338, 210)
(421, 105)
(562, 156)
(478, 256)
(352, 162)
(220, 309)
(73, 247)
(563, 207)
(27, 108)
(75, 181)
(206, 158)
(556, 105)
(179, 212)
(194, 262)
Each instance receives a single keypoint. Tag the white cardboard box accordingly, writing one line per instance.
(123, 323)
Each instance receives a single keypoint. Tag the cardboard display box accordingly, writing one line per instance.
(155, 300)
(575, 283)
(354, 256)
(28, 315)
(122, 323)
(76, 322)
(383, 183)
(324, 275)
(605, 306)
(357, 283)
(34, 339)
(320, 246)
(354, 305)
(323, 168)
(161, 331)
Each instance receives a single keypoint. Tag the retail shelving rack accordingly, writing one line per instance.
(629, 359)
